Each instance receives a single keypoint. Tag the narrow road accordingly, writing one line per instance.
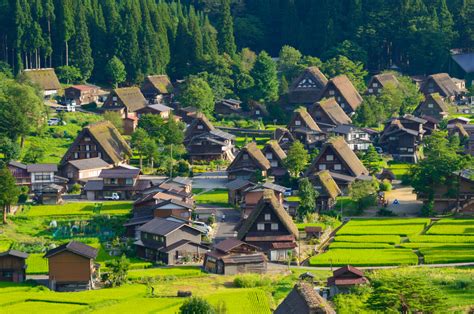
(470, 264)
(211, 180)
(226, 228)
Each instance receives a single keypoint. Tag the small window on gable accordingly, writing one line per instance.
(375, 84)
(371, 90)
(337, 167)
(330, 157)
(274, 163)
(269, 156)
(200, 127)
(343, 105)
(260, 227)
(274, 226)
(114, 98)
(267, 217)
(245, 157)
(430, 105)
(257, 111)
(322, 167)
(331, 92)
(87, 139)
(297, 122)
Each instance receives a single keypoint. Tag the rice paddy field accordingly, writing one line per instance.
(384, 242)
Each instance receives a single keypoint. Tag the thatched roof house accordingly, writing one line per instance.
(305, 89)
(303, 299)
(46, 79)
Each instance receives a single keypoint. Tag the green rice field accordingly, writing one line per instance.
(80, 209)
(376, 242)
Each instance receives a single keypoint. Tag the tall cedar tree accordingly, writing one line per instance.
(9, 191)
(226, 30)
(264, 73)
(81, 52)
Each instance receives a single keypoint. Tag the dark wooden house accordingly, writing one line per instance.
(276, 156)
(82, 94)
(248, 161)
(163, 111)
(236, 190)
(284, 138)
(228, 106)
(305, 129)
(72, 267)
(231, 257)
(328, 114)
(252, 195)
(400, 141)
(344, 278)
(98, 140)
(157, 89)
(327, 188)
(270, 228)
(20, 172)
(303, 299)
(342, 163)
(169, 241)
(13, 266)
(433, 106)
(305, 89)
(346, 95)
(81, 170)
(205, 142)
(442, 84)
(126, 100)
(379, 81)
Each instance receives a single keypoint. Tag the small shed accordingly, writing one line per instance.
(344, 278)
(13, 266)
(313, 232)
(72, 267)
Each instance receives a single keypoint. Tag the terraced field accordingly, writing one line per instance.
(378, 242)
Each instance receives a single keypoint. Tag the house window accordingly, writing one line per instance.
(337, 167)
(88, 155)
(260, 227)
(297, 122)
(338, 98)
(114, 98)
(245, 157)
(274, 163)
(128, 181)
(269, 155)
(403, 148)
(274, 226)
(375, 84)
(267, 216)
(76, 155)
(200, 127)
(257, 112)
(430, 105)
(330, 157)
(343, 105)
(371, 90)
(87, 139)
(88, 147)
(99, 154)
(322, 167)
(331, 92)
(410, 150)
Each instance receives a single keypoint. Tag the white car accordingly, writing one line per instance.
(202, 225)
(113, 197)
(53, 121)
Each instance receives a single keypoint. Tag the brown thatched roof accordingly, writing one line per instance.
(307, 121)
(306, 87)
(255, 154)
(444, 82)
(162, 83)
(437, 100)
(131, 97)
(347, 90)
(268, 199)
(340, 147)
(303, 299)
(46, 79)
(385, 79)
(332, 109)
(329, 184)
(108, 137)
(199, 119)
(274, 147)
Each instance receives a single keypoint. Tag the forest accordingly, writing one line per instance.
(193, 36)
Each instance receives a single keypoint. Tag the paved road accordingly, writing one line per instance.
(224, 229)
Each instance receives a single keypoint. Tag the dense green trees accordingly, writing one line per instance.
(9, 192)
(308, 196)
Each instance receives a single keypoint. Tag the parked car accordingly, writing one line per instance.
(379, 150)
(202, 225)
(288, 192)
(114, 197)
(53, 121)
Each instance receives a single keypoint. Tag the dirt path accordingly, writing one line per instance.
(407, 205)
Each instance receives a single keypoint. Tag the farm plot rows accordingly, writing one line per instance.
(377, 242)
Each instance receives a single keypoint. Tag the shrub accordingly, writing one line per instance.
(385, 212)
(385, 185)
(211, 220)
(251, 281)
(196, 305)
(76, 189)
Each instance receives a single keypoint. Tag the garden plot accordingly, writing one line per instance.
(365, 257)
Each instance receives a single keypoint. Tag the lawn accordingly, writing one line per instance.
(218, 197)
(80, 209)
(452, 227)
(261, 141)
(399, 169)
(384, 226)
(365, 257)
(166, 272)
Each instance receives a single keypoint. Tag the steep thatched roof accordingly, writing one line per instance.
(332, 110)
(345, 154)
(268, 199)
(131, 97)
(385, 79)
(275, 148)
(108, 137)
(162, 83)
(307, 121)
(199, 119)
(303, 299)
(46, 79)
(329, 184)
(306, 87)
(347, 90)
(254, 153)
(444, 82)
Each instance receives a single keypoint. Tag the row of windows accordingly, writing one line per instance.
(153, 237)
(113, 181)
(324, 167)
(261, 226)
(86, 155)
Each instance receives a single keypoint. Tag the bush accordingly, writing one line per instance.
(385, 186)
(211, 220)
(196, 305)
(251, 281)
(76, 189)
(385, 213)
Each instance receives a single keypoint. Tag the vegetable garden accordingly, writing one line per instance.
(383, 242)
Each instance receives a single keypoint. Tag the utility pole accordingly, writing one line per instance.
(171, 159)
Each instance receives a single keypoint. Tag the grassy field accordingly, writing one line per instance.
(463, 227)
(384, 226)
(399, 169)
(390, 239)
(261, 141)
(301, 226)
(365, 257)
(218, 197)
(80, 209)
